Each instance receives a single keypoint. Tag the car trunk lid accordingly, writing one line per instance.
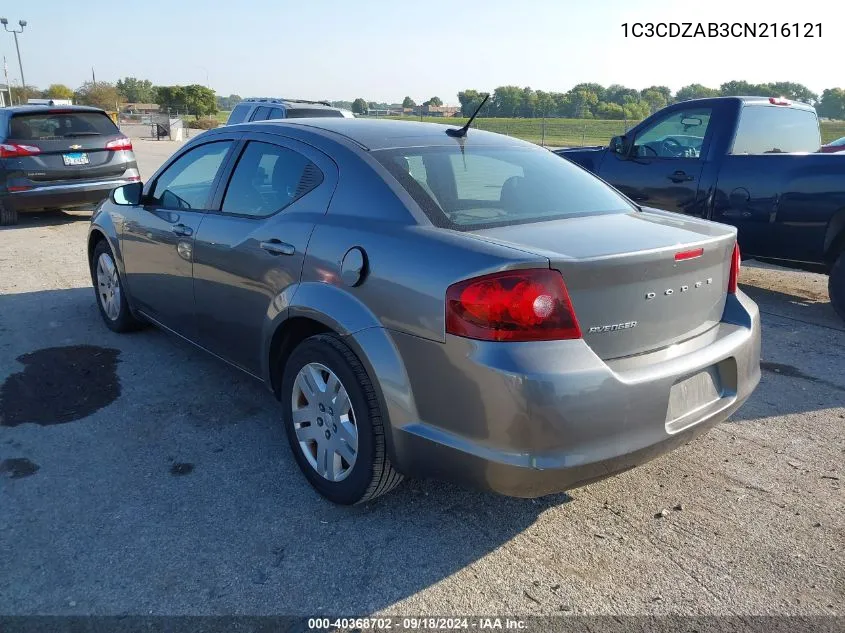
(638, 281)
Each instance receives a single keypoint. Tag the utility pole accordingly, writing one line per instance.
(93, 76)
(8, 85)
(22, 24)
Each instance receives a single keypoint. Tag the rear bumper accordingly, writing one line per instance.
(532, 419)
(62, 196)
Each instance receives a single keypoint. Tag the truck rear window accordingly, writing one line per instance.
(471, 188)
(302, 113)
(776, 130)
(53, 125)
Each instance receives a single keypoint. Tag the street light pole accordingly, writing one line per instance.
(22, 24)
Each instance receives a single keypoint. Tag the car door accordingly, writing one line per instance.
(251, 247)
(158, 236)
(661, 166)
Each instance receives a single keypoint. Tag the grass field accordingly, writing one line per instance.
(567, 132)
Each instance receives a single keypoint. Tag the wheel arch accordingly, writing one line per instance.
(834, 240)
(319, 308)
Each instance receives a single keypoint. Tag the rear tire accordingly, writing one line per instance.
(836, 285)
(109, 291)
(8, 217)
(316, 375)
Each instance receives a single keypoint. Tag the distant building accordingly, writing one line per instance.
(431, 110)
(140, 108)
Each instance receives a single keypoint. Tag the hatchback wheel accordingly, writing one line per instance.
(111, 299)
(836, 285)
(334, 423)
(8, 216)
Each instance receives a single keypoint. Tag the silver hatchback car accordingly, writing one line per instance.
(467, 308)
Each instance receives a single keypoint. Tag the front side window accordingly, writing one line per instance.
(186, 184)
(267, 179)
(679, 134)
(481, 187)
(774, 129)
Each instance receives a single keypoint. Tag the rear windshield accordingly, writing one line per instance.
(238, 115)
(54, 125)
(489, 186)
(303, 113)
(776, 130)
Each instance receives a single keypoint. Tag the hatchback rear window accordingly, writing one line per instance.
(56, 125)
(473, 188)
(238, 115)
(302, 113)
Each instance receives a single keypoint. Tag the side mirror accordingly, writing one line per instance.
(128, 195)
(618, 145)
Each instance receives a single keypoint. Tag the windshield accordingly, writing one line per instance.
(53, 125)
(491, 186)
(776, 130)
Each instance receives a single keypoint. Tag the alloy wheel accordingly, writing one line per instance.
(324, 422)
(108, 286)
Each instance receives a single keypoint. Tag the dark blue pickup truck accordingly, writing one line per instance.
(752, 162)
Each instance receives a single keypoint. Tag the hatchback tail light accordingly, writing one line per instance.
(735, 264)
(516, 305)
(9, 150)
(119, 144)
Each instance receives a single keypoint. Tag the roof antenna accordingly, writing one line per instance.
(461, 132)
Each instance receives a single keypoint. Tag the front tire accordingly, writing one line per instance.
(334, 423)
(836, 285)
(8, 217)
(109, 291)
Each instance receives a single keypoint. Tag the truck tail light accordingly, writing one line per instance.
(13, 150)
(119, 144)
(779, 101)
(735, 264)
(516, 305)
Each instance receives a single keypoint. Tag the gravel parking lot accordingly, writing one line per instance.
(139, 475)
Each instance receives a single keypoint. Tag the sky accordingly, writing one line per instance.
(384, 50)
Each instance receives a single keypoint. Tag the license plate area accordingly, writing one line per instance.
(76, 158)
(691, 397)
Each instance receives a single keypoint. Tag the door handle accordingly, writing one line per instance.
(680, 176)
(181, 229)
(277, 247)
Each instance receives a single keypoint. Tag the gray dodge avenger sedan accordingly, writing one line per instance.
(428, 304)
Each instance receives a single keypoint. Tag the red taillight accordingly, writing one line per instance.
(119, 144)
(735, 263)
(516, 305)
(9, 150)
(779, 101)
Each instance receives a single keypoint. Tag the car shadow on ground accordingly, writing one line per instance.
(143, 474)
(815, 310)
(28, 219)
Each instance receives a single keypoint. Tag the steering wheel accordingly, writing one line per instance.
(673, 147)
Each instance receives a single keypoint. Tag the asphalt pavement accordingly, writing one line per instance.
(140, 476)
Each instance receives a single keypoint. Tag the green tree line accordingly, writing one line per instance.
(594, 101)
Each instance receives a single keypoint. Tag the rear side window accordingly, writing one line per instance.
(776, 130)
(477, 187)
(302, 113)
(267, 179)
(57, 125)
(186, 184)
(238, 115)
(276, 113)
